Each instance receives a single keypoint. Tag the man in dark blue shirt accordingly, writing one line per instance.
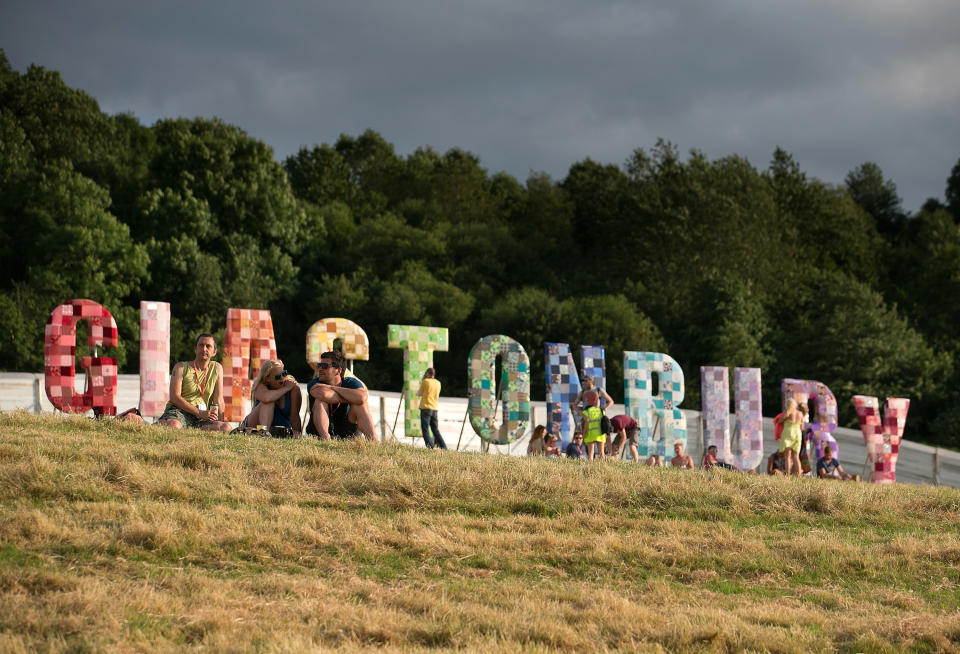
(575, 449)
(338, 404)
(829, 468)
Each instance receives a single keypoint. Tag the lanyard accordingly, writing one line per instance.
(201, 381)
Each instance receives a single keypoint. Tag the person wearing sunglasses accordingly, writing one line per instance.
(338, 403)
(276, 398)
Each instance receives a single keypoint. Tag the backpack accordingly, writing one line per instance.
(605, 425)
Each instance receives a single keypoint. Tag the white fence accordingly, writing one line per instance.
(917, 464)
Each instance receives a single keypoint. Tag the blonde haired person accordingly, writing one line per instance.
(791, 420)
(276, 398)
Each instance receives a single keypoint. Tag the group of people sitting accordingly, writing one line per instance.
(338, 400)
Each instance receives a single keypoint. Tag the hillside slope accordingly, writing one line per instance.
(129, 538)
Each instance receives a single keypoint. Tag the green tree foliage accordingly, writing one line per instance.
(877, 196)
(844, 334)
(709, 260)
(953, 192)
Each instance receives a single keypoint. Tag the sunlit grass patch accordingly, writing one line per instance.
(117, 537)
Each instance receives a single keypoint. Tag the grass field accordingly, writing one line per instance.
(117, 538)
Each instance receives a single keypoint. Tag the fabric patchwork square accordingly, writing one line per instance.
(154, 358)
(59, 358)
(659, 426)
(514, 387)
(322, 334)
(418, 343)
(248, 343)
(882, 437)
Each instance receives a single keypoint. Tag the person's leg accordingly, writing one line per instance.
(425, 427)
(435, 428)
(590, 450)
(795, 462)
(787, 461)
(267, 410)
(361, 417)
(618, 442)
(173, 418)
(321, 419)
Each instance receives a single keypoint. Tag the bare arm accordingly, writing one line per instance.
(265, 394)
(351, 395)
(604, 394)
(217, 397)
(176, 385)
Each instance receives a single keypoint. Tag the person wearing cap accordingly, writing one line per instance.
(593, 434)
(590, 385)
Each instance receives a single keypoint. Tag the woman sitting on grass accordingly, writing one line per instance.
(538, 444)
(276, 398)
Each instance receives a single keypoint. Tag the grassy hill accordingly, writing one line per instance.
(123, 538)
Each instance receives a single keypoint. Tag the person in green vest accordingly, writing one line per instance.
(196, 390)
(593, 435)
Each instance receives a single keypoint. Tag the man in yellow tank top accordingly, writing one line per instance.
(196, 390)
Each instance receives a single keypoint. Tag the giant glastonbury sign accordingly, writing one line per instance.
(653, 384)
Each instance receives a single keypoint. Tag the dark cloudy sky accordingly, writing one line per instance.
(532, 85)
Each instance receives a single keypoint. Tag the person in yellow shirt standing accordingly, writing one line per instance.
(429, 395)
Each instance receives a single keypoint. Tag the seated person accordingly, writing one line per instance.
(625, 428)
(655, 460)
(196, 390)
(829, 468)
(552, 446)
(710, 457)
(776, 464)
(576, 450)
(538, 442)
(710, 460)
(338, 404)
(681, 460)
(276, 398)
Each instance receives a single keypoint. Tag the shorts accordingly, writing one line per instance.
(632, 436)
(790, 441)
(599, 438)
(185, 419)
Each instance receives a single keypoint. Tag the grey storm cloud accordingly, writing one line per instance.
(533, 86)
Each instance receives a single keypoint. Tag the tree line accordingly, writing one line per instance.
(714, 262)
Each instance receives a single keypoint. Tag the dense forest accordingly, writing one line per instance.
(711, 261)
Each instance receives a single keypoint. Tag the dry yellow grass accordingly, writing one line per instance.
(117, 538)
